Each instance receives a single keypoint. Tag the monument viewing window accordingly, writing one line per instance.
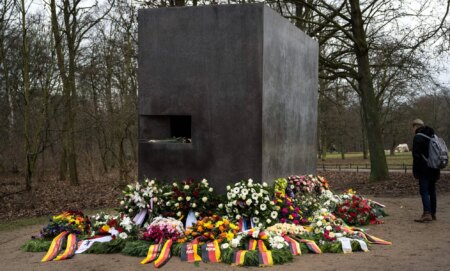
(165, 128)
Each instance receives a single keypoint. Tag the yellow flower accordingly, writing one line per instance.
(230, 236)
(105, 228)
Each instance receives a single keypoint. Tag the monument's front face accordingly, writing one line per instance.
(236, 84)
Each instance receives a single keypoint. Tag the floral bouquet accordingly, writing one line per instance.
(249, 200)
(306, 184)
(141, 196)
(164, 228)
(356, 210)
(212, 228)
(190, 195)
(288, 211)
(114, 225)
(325, 226)
(71, 221)
(286, 228)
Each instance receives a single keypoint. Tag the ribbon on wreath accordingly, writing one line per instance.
(189, 252)
(294, 246)
(71, 247)
(312, 246)
(347, 246)
(239, 257)
(370, 238)
(153, 252)
(164, 254)
(86, 244)
(55, 247)
(211, 252)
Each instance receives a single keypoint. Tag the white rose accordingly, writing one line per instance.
(204, 199)
(194, 205)
(264, 184)
(210, 189)
(332, 234)
(280, 246)
(220, 205)
(319, 223)
(180, 198)
(168, 203)
(328, 228)
(188, 198)
(123, 235)
(175, 184)
(179, 214)
(186, 187)
(204, 181)
(235, 242)
(122, 202)
(238, 217)
(250, 181)
(177, 204)
(196, 214)
(130, 210)
(228, 187)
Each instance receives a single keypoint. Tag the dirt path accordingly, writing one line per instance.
(415, 247)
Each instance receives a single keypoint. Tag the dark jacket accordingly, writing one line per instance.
(420, 149)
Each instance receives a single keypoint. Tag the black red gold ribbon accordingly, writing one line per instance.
(55, 247)
(211, 252)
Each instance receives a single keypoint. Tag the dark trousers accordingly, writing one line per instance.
(427, 188)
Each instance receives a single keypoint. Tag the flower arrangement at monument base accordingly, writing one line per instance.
(189, 195)
(294, 216)
(252, 202)
(356, 210)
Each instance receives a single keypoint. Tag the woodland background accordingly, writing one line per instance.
(68, 86)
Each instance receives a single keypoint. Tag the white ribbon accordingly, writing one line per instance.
(347, 246)
(86, 244)
(191, 219)
(139, 218)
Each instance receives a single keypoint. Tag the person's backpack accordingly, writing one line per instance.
(437, 152)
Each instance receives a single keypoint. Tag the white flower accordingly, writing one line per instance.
(268, 221)
(338, 235)
(271, 203)
(177, 204)
(194, 205)
(264, 184)
(244, 191)
(186, 187)
(263, 207)
(319, 223)
(228, 187)
(250, 181)
(188, 198)
(179, 214)
(235, 242)
(204, 199)
(204, 181)
(273, 214)
(168, 203)
(210, 189)
(180, 198)
(220, 205)
(196, 214)
(123, 235)
(224, 246)
(175, 184)
(122, 202)
(236, 190)
(328, 228)
(255, 220)
(256, 212)
(238, 217)
(248, 202)
(254, 196)
(130, 210)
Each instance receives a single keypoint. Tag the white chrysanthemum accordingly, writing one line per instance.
(254, 196)
(255, 220)
(263, 207)
(244, 191)
(273, 214)
(248, 202)
(236, 190)
(224, 246)
(268, 221)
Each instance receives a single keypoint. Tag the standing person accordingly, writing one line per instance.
(427, 176)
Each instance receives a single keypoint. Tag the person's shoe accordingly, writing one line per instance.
(433, 216)
(424, 218)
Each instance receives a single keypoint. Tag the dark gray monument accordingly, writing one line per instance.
(239, 82)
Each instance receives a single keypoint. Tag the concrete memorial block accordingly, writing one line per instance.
(236, 83)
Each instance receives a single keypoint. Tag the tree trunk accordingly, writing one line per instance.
(379, 169)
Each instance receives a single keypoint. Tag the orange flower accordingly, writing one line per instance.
(200, 228)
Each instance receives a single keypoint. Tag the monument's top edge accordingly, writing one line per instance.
(222, 6)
